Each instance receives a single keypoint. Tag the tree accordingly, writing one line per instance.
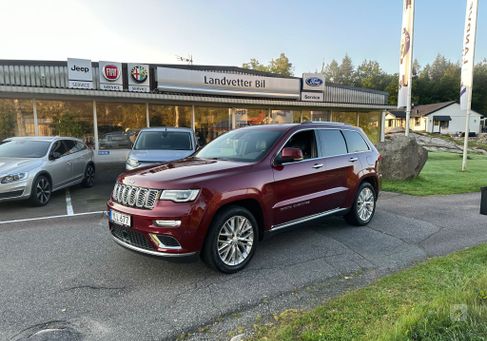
(370, 75)
(280, 65)
(331, 71)
(347, 73)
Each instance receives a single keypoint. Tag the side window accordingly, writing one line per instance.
(304, 140)
(80, 146)
(59, 148)
(355, 141)
(331, 142)
(70, 146)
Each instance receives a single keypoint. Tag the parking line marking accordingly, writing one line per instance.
(51, 217)
(69, 204)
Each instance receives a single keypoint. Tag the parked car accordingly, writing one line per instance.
(245, 183)
(34, 167)
(116, 140)
(158, 145)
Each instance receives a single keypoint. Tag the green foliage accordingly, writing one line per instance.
(440, 299)
(442, 175)
(280, 65)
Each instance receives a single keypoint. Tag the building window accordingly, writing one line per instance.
(119, 123)
(417, 121)
(66, 118)
(444, 124)
(170, 116)
(16, 118)
(210, 123)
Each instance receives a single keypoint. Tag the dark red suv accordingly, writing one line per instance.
(245, 183)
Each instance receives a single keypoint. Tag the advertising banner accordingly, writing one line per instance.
(468, 54)
(405, 58)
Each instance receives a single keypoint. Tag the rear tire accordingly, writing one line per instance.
(363, 208)
(89, 179)
(41, 191)
(231, 240)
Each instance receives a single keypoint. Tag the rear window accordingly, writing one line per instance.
(170, 140)
(355, 141)
(331, 142)
(24, 149)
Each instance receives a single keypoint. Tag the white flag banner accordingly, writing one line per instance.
(405, 61)
(468, 54)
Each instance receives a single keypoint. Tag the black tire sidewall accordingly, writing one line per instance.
(33, 196)
(210, 254)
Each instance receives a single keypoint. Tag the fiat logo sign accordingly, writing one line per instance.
(139, 73)
(314, 81)
(111, 72)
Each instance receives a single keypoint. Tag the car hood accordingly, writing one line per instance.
(159, 155)
(14, 165)
(190, 171)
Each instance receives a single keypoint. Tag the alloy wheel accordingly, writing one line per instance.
(365, 204)
(43, 190)
(90, 176)
(235, 240)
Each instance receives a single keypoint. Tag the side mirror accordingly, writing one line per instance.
(54, 156)
(290, 154)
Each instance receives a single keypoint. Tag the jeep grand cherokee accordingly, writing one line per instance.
(247, 182)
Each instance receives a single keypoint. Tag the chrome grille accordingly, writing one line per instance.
(135, 196)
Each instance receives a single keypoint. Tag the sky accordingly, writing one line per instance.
(231, 32)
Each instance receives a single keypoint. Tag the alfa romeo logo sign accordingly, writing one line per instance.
(111, 72)
(139, 73)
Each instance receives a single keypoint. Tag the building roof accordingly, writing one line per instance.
(402, 113)
(427, 109)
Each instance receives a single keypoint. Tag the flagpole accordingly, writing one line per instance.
(410, 78)
(467, 70)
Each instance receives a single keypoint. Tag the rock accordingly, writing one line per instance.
(402, 157)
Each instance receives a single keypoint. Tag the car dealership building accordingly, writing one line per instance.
(106, 103)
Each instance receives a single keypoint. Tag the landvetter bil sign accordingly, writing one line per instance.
(183, 80)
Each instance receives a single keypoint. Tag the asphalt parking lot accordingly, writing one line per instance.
(72, 201)
(67, 276)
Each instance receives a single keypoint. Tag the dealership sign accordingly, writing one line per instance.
(308, 96)
(139, 78)
(110, 76)
(80, 73)
(313, 81)
(221, 83)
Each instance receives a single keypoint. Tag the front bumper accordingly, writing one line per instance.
(145, 236)
(15, 190)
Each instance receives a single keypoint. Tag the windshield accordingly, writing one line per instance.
(244, 145)
(172, 140)
(24, 149)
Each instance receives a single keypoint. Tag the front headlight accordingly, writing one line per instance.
(12, 178)
(133, 162)
(178, 195)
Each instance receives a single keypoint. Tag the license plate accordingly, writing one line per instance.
(119, 218)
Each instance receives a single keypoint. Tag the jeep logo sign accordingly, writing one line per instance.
(80, 73)
(313, 81)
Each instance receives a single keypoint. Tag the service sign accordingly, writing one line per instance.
(139, 77)
(313, 81)
(308, 96)
(80, 73)
(110, 75)
(221, 83)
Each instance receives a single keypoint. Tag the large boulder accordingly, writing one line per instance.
(402, 157)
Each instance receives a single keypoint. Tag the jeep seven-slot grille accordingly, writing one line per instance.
(135, 196)
(131, 237)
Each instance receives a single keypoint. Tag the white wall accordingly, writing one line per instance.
(457, 122)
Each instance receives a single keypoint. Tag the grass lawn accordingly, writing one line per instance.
(442, 175)
(441, 299)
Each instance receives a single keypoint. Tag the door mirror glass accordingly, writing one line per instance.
(290, 154)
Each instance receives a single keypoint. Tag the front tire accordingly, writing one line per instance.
(89, 179)
(231, 240)
(363, 209)
(41, 191)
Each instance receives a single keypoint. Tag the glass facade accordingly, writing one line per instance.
(16, 118)
(118, 123)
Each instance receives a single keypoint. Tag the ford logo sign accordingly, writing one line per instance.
(314, 81)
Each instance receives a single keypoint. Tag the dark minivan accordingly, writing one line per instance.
(247, 182)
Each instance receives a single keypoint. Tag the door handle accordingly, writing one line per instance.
(353, 159)
(68, 163)
(318, 165)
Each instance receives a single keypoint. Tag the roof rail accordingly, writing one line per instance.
(323, 122)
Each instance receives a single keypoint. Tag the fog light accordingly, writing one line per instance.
(165, 242)
(167, 223)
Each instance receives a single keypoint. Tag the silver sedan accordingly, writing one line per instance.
(34, 167)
